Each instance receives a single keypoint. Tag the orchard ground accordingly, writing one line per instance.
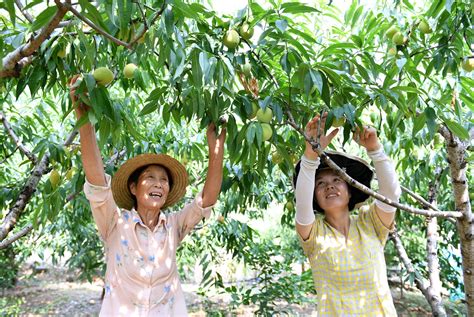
(57, 291)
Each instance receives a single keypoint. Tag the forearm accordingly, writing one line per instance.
(90, 155)
(213, 183)
(387, 179)
(304, 191)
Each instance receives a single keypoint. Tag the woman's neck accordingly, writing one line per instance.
(339, 221)
(149, 217)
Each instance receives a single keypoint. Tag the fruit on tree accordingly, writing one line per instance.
(276, 158)
(391, 31)
(247, 69)
(54, 178)
(103, 76)
(129, 69)
(392, 51)
(70, 173)
(267, 131)
(231, 39)
(398, 38)
(468, 64)
(220, 219)
(264, 116)
(289, 206)
(339, 122)
(62, 52)
(424, 27)
(246, 31)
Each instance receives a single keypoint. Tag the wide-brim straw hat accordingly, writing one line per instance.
(179, 178)
(354, 166)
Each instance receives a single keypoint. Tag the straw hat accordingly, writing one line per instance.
(354, 166)
(179, 177)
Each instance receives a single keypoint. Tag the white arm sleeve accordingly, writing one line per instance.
(387, 179)
(304, 191)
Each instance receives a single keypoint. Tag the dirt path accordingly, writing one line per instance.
(56, 293)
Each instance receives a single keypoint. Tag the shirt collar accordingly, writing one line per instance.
(162, 221)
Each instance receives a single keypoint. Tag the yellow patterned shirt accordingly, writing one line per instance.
(350, 277)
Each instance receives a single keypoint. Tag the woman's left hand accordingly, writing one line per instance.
(215, 143)
(367, 137)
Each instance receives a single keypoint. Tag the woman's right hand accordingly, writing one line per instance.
(80, 107)
(311, 131)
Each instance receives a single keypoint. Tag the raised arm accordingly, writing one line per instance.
(90, 154)
(304, 193)
(212, 186)
(385, 171)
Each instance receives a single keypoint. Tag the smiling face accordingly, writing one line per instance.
(331, 191)
(151, 188)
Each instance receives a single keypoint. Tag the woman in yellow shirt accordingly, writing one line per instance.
(346, 250)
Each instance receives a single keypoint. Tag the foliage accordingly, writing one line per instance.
(306, 58)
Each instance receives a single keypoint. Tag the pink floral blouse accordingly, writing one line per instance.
(141, 277)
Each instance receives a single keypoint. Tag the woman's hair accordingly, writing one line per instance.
(133, 179)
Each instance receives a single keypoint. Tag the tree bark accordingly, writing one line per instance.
(458, 167)
(420, 282)
(432, 253)
(12, 63)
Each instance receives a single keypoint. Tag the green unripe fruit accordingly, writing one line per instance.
(103, 76)
(70, 173)
(267, 131)
(246, 31)
(247, 69)
(289, 206)
(392, 51)
(276, 158)
(254, 110)
(129, 69)
(54, 178)
(338, 122)
(468, 64)
(62, 53)
(391, 31)
(231, 39)
(265, 116)
(397, 38)
(424, 27)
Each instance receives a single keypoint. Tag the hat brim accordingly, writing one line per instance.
(355, 167)
(121, 192)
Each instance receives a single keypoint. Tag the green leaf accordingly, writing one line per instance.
(457, 129)
(43, 18)
(282, 25)
(418, 123)
(10, 6)
(296, 7)
(250, 134)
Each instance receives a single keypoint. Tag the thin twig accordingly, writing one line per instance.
(17, 140)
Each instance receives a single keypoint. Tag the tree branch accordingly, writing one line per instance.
(420, 282)
(146, 26)
(11, 63)
(432, 236)
(69, 7)
(27, 192)
(17, 140)
(456, 150)
(17, 235)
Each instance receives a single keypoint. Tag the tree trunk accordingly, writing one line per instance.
(432, 253)
(458, 167)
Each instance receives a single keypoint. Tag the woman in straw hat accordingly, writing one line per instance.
(140, 240)
(346, 250)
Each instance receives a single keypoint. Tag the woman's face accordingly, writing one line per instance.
(331, 191)
(152, 188)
